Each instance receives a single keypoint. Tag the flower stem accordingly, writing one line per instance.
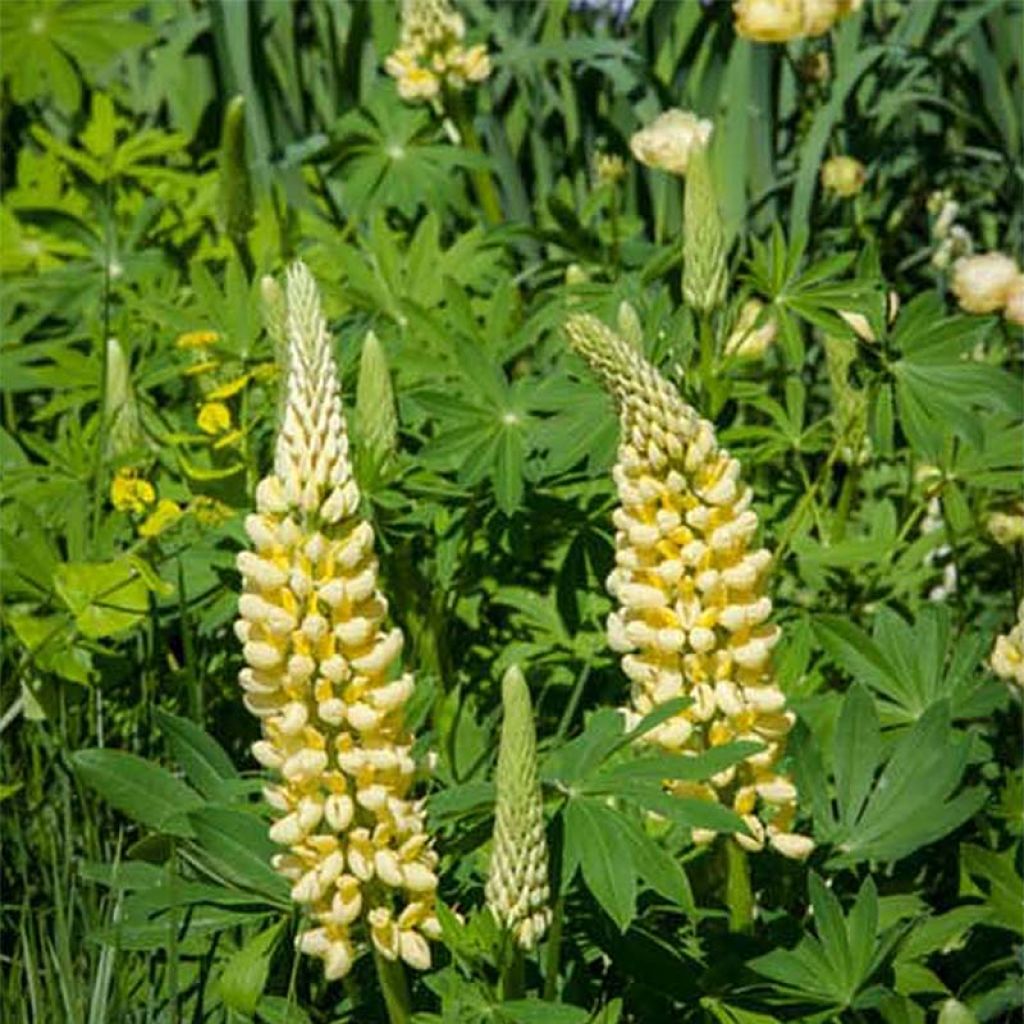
(483, 183)
(554, 951)
(738, 896)
(393, 985)
(513, 975)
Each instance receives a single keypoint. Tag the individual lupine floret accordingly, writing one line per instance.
(431, 54)
(1008, 654)
(517, 882)
(693, 617)
(320, 677)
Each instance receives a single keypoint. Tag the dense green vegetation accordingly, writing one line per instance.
(876, 407)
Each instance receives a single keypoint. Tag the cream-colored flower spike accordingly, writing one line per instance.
(1008, 654)
(320, 677)
(693, 618)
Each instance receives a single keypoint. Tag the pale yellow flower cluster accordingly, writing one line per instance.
(321, 677)
(431, 54)
(693, 618)
(778, 21)
(667, 142)
(748, 340)
(843, 175)
(1008, 654)
(990, 282)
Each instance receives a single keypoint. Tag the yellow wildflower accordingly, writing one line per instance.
(843, 175)
(197, 339)
(165, 515)
(693, 618)
(198, 369)
(984, 283)
(431, 53)
(228, 390)
(1007, 528)
(214, 418)
(667, 142)
(778, 21)
(130, 493)
(610, 168)
(322, 677)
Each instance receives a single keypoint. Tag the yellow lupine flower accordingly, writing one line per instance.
(130, 493)
(693, 618)
(164, 516)
(197, 339)
(322, 677)
(214, 418)
(431, 53)
(1008, 654)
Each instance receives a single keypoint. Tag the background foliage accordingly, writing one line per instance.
(135, 862)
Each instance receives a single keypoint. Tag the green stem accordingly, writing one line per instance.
(850, 485)
(553, 954)
(393, 985)
(513, 975)
(738, 896)
(483, 183)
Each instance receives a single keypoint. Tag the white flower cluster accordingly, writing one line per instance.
(693, 618)
(320, 677)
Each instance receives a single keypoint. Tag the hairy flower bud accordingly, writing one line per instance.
(690, 588)
(705, 275)
(320, 674)
(517, 883)
(843, 175)
(235, 184)
(376, 418)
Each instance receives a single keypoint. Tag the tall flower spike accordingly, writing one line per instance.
(517, 883)
(321, 677)
(692, 618)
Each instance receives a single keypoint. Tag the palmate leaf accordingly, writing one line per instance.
(834, 968)
(912, 666)
(914, 800)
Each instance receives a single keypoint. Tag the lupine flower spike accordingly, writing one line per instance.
(693, 618)
(321, 676)
(517, 883)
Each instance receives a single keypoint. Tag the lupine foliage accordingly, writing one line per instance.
(788, 545)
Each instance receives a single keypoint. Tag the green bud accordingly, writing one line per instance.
(705, 276)
(629, 326)
(120, 409)
(849, 404)
(235, 186)
(275, 321)
(955, 1012)
(376, 418)
(517, 883)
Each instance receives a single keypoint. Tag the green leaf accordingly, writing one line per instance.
(857, 751)
(593, 834)
(244, 976)
(536, 1011)
(236, 844)
(145, 792)
(207, 766)
(105, 598)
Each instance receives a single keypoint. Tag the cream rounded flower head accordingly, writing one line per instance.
(1008, 655)
(667, 142)
(1014, 309)
(984, 283)
(843, 175)
(769, 21)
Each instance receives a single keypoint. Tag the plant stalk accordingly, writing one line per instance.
(738, 895)
(395, 988)
(553, 953)
(483, 182)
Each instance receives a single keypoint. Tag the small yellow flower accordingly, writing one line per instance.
(214, 418)
(768, 21)
(1008, 654)
(610, 168)
(228, 390)
(197, 339)
(165, 515)
(129, 493)
(197, 369)
(984, 283)
(843, 175)
(1007, 528)
(667, 142)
